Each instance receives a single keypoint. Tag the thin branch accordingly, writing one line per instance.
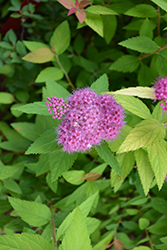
(147, 234)
(65, 73)
(149, 54)
(53, 226)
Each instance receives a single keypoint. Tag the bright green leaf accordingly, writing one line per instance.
(161, 3)
(146, 133)
(6, 98)
(101, 84)
(142, 10)
(95, 22)
(61, 38)
(74, 177)
(39, 108)
(31, 45)
(12, 186)
(141, 44)
(100, 10)
(126, 63)
(102, 244)
(142, 92)
(51, 73)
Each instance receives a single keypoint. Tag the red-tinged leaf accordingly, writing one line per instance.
(76, 3)
(81, 15)
(71, 11)
(68, 4)
(83, 4)
(118, 245)
(92, 176)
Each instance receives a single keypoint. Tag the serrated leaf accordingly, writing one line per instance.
(76, 236)
(31, 45)
(161, 3)
(60, 161)
(142, 10)
(146, 133)
(23, 241)
(142, 92)
(101, 84)
(46, 143)
(101, 10)
(55, 89)
(35, 214)
(105, 153)
(133, 105)
(39, 108)
(61, 38)
(147, 28)
(40, 55)
(158, 158)
(126, 63)
(6, 98)
(51, 73)
(85, 208)
(144, 169)
(141, 44)
(95, 22)
(74, 177)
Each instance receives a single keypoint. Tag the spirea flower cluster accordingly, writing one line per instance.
(161, 91)
(57, 106)
(89, 120)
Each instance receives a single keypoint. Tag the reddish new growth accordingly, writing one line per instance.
(89, 119)
(161, 91)
(77, 8)
(57, 106)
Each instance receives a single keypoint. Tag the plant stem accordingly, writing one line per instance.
(65, 73)
(158, 25)
(149, 54)
(147, 234)
(53, 226)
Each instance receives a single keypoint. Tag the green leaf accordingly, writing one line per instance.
(126, 162)
(4, 220)
(7, 171)
(39, 108)
(141, 44)
(144, 169)
(40, 55)
(45, 143)
(161, 62)
(141, 248)
(12, 186)
(158, 158)
(76, 236)
(51, 73)
(105, 153)
(60, 161)
(158, 113)
(85, 208)
(102, 244)
(133, 105)
(31, 45)
(126, 63)
(95, 22)
(146, 133)
(61, 38)
(142, 92)
(145, 78)
(109, 27)
(147, 28)
(74, 177)
(88, 65)
(26, 129)
(92, 224)
(159, 227)
(101, 84)
(35, 214)
(23, 241)
(101, 10)
(142, 10)
(6, 98)
(55, 89)
(52, 184)
(159, 204)
(161, 3)
(42, 166)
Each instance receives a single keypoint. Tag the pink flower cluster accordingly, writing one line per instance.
(161, 91)
(89, 120)
(58, 106)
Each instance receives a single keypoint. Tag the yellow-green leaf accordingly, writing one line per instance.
(40, 55)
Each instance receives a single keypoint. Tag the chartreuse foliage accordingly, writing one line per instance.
(113, 196)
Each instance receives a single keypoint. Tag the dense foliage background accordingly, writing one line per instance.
(114, 196)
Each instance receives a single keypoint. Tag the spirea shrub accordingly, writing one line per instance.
(89, 119)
